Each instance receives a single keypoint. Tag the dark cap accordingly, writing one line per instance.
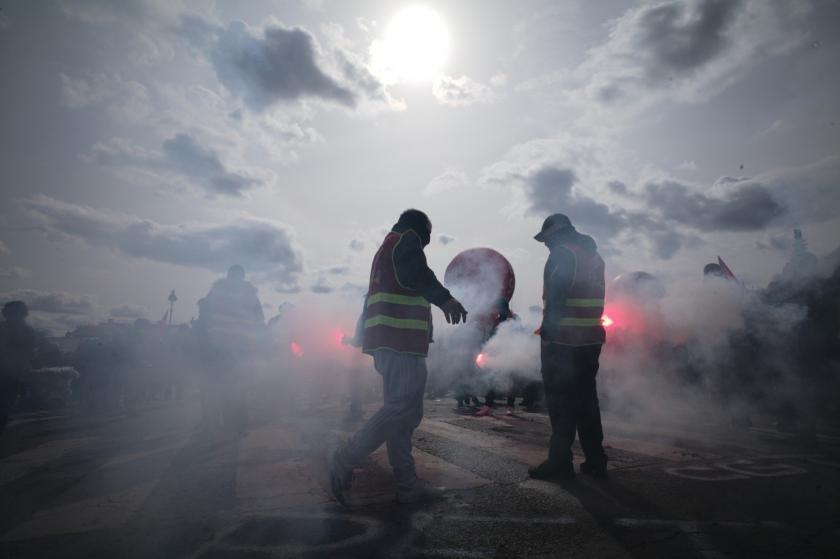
(553, 224)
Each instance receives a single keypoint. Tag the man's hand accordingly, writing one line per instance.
(454, 311)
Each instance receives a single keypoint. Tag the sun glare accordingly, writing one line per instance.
(414, 47)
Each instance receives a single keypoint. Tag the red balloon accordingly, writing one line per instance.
(474, 264)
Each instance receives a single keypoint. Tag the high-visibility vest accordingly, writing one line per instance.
(576, 321)
(395, 318)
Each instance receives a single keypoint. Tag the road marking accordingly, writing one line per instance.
(532, 454)
(751, 468)
(16, 466)
(107, 511)
(696, 531)
(507, 519)
(812, 458)
(658, 450)
(373, 529)
(716, 473)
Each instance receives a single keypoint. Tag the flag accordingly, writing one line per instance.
(727, 273)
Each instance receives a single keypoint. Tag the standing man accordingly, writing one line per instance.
(396, 329)
(572, 335)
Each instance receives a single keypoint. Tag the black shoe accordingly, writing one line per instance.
(341, 477)
(552, 472)
(597, 472)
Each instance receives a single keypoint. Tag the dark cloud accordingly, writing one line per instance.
(265, 248)
(778, 243)
(338, 270)
(445, 239)
(283, 65)
(54, 312)
(321, 287)
(56, 302)
(744, 208)
(279, 64)
(681, 36)
(550, 189)
(182, 155)
(790, 196)
(618, 187)
(191, 159)
(688, 49)
(356, 245)
(128, 311)
(664, 213)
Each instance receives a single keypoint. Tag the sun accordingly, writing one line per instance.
(414, 47)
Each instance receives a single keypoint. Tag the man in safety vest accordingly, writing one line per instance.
(572, 335)
(396, 329)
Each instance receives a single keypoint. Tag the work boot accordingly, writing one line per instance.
(596, 471)
(421, 492)
(548, 471)
(341, 477)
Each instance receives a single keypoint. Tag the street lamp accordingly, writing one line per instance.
(172, 299)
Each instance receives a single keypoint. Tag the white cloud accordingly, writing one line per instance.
(448, 180)
(461, 92)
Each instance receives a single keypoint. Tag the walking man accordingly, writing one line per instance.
(572, 335)
(396, 329)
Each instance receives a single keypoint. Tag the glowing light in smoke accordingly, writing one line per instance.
(606, 321)
(296, 348)
(480, 359)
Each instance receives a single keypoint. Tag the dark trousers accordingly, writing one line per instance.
(572, 400)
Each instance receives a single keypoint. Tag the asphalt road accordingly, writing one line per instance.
(151, 485)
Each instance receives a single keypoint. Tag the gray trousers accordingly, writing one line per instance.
(404, 384)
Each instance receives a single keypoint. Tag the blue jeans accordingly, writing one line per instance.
(404, 384)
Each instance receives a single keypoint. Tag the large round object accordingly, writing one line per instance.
(482, 269)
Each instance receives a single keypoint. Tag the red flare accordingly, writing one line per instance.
(606, 321)
(480, 360)
(296, 349)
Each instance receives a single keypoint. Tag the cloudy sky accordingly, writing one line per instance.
(147, 146)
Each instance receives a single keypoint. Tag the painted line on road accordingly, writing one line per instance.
(713, 474)
(752, 469)
(86, 515)
(696, 531)
(507, 519)
(16, 466)
(373, 529)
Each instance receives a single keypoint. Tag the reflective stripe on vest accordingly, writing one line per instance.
(577, 321)
(395, 317)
